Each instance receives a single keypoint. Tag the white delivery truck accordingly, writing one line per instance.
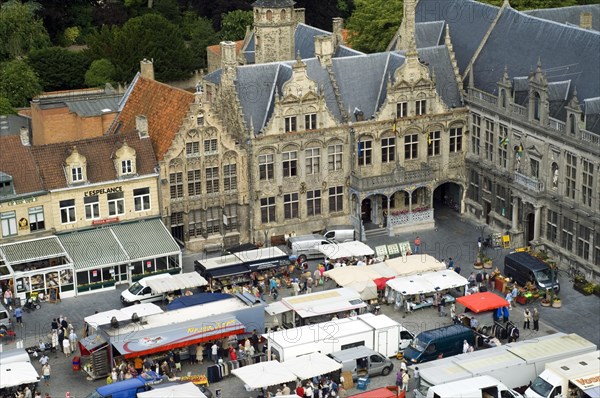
(477, 387)
(377, 332)
(514, 364)
(577, 376)
(156, 287)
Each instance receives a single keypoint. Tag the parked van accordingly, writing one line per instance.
(339, 233)
(362, 361)
(445, 342)
(12, 356)
(5, 320)
(522, 267)
(155, 287)
(306, 246)
(476, 387)
(127, 388)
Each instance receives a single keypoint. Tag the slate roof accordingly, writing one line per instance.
(429, 34)
(11, 124)
(591, 108)
(18, 162)
(164, 106)
(569, 15)
(440, 64)
(50, 159)
(468, 20)
(273, 3)
(344, 51)
(94, 107)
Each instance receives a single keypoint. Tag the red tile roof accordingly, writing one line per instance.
(17, 161)
(164, 107)
(99, 154)
(216, 48)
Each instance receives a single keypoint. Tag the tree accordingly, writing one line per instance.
(109, 14)
(18, 83)
(320, 13)
(373, 23)
(58, 68)
(5, 107)
(200, 34)
(20, 30)
(233, 24)
(100, 72)
(215, 9)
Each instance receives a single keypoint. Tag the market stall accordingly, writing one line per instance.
(308, 366)
(481, 302)
(186, 390)
(415, 264)
(343, 276)
(384, 270)
(335, 251)
(366, 289)
(172, 283)
(263, 375)
(16, 374)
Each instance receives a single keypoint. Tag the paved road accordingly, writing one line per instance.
(453, 237)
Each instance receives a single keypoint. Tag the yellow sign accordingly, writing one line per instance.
(208, 328)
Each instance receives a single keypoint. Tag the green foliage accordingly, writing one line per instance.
(5, 107)
(71, 35)
(58, 68)
(373, 24)
(100, 72)
(18, 83)
(233, 24)
(168, 9)
(200, 34)
(20, 30)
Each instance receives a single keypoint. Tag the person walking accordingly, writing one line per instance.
(54, 325)
(417, 245)
(8, 296)
(399, 378)
(73, 340)
(479, 242)
(405, 379)
(536, 319)
(509, 298)
(417, 377)
(55, 340)
(19, 316)
(66, 346)
(214, 349)
(46, 373)
(526, 318)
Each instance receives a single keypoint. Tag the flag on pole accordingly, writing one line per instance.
(395, 126)
(520, 150)
(503, 141)
(429, 140)
(225, 220)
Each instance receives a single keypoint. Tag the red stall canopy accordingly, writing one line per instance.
(380, 282)
(481, 302)
(383, 392)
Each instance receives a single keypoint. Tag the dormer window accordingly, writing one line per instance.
(75, 167)
(6, 185)
(124, 159)
(126, 166)
(76, 174)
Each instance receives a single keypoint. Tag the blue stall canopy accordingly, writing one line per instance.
(196, 299)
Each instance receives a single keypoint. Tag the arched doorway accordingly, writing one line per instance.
(365, 210)
(530, 227)
(447, 195)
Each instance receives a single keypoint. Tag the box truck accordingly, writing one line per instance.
(477, 387)
(377, 332)
(573, 377)
(514, 364)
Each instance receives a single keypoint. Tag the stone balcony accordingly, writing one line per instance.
(400, 176)
(530, 183)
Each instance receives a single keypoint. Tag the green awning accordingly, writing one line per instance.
(93, 248)
(32, 250)
(145, 239)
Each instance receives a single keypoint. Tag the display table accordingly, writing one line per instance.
(500, 284)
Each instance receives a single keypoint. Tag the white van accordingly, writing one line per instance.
(156, 287)
(476, 387)
(306, 246)
(339, 233)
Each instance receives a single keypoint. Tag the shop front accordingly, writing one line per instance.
(36, 266)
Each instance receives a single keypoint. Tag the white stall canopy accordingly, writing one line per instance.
(343, 276)
(122, 315)
(311, 365)
(345, 250)
(170, 283)
(429, 282)
(264, 374)
(415, 264)
(366, 289)
(187, 390)
(325, 302)
(384, 270)
(17, 373)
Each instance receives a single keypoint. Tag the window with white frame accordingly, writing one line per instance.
(176, 185)
(116, 203)
(210, 146)
(401, 109)
(568, 227)
(267, 210)
(313, 202)
(583, 242)
(571, 176)
(365, 151)
(411, 146)
(552, 226)
(141, 199)
(502, 145)
(587, 182)
(76, 174)
(230, 218)
(67, 211)
(230, 177)
(290, 163)
(265, 167)
(334, 157)
(455, 139)
(126, 167)
(290, 124)
(312, 157)
(290, 206)
(9, 223)
(195, 224)
(91, 206)
(476, 134)
(36, 219)
(212, 180)
(420, 107)
(213, 220)
(489, 140)
(192, 148)
(434, 141)
(194, 182)
(310, 121)
(336, 199)
(388, 149)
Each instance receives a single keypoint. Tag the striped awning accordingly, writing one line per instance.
(32, 250)
(145, 239)
(93, 248)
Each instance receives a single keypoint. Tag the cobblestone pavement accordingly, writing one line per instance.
(452, 237)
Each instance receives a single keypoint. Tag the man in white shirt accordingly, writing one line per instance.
(44, 359)
(214, 349)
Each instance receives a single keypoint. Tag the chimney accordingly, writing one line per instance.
(228, 56)
(324, 49)
(24, 132)
(585, 20)
(141, 125)
(337, 34)
(147, 69)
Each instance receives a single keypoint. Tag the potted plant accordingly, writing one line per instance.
(478, 262)
(487, 263)
(556, 303)
(545, 302)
